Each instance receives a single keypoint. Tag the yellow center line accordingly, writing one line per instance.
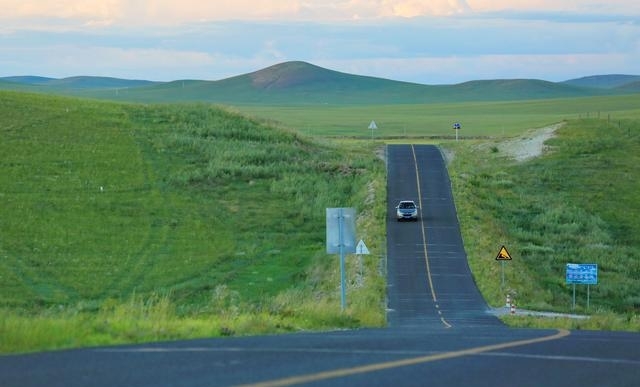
(402, 363)
(424, 241)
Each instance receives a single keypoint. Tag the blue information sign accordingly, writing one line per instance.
(582, 273)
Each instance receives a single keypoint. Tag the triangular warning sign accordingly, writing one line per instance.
(361, 248)
(503, 255)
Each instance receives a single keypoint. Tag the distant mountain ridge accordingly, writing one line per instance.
(79, 82)
(610, 81)
(300, 82)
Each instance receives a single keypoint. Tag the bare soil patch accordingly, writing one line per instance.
(529, 145)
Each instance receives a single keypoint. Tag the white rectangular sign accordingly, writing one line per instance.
(341, 230)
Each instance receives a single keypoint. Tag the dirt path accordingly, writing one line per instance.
(529, 145)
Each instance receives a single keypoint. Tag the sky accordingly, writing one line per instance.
(422, 41)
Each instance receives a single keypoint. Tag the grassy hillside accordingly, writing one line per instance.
(28, 79)
(604, 81)
(632, 87)
(187, 208)
(576, 204)
(78, 82)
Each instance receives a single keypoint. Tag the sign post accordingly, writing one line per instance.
(341, 239)
(456, 127)
(583, 274)
(372, 126)
(503, 256)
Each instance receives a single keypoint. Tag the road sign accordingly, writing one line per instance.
(584, 274)
(341, 239)
(372, 126)
(503, 255)
(457, 127)
(341, 230)
(361, 248)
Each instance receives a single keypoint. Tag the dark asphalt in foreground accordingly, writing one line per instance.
(440, 332)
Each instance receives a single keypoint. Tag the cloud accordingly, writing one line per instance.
(44, 11)
(622, 7)
(61, 61)
(416, 8)
(433, 41)
(171, 12)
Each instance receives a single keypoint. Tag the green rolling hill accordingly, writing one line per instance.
(611, 81)
(78, 82)
(301, 83)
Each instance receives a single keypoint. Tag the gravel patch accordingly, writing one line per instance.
(530, 145)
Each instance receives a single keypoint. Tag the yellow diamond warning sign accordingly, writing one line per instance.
(503, 255)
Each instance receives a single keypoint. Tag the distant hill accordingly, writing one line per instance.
(304, 83)
(79, 82)
(611, 81)
(632, 87)
(28, 79)
(7, 84)
(287, 83)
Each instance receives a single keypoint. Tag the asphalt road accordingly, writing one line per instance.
(440, 332)
(431, 247)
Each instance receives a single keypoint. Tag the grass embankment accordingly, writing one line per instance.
(576, 204)
(130, 223)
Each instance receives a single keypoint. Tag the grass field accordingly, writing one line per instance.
(576, 204)
(478, 119)
(128, 222)
(107, 206)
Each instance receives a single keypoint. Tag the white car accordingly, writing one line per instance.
(406, 210)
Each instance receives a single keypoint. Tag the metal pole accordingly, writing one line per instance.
(502, 264)
(574, 297)
(343, 295)
(588, 287)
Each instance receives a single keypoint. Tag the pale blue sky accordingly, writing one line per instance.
(430, 42)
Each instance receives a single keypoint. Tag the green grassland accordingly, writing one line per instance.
(187, 208)
(576, 204)
(478, 119)
(126, 222)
